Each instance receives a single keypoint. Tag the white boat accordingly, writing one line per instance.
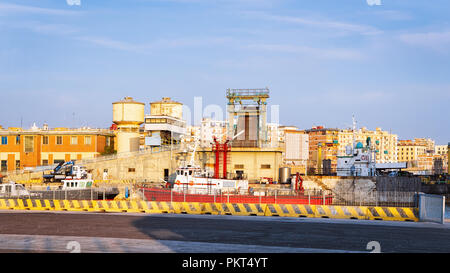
(13, 190)
(192, 179)
(80, 179)
(76, 184)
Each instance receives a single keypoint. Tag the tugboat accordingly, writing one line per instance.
(192, 179)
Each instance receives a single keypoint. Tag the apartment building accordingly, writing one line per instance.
(383, 141)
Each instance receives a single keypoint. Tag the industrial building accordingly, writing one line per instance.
(165, 124)
(247, 116)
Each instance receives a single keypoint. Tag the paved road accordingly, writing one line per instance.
(100, 232)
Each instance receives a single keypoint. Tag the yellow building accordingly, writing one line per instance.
(440, 149)
(419, 154)
(409, 150)
(383, 141)
(254, 163)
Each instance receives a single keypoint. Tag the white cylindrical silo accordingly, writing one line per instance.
(128, 115)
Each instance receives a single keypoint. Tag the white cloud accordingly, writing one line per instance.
(155, 45)
(439, 41)
(319, 23)
(12, 8)
(323, 53)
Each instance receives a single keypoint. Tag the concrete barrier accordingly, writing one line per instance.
(281, 210)
(393, 214)
(341, 212)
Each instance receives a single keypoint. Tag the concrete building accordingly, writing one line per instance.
(212, 128)
(273, 134)
(323, 149)
(409, 150)
(383, 141)
(255, 164)
(281, 132)
(419, 155)
(296, 151)
(440, 149)
(29, 148)
(192, 132)
(165, 124)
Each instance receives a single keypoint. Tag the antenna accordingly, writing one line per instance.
(354, 129)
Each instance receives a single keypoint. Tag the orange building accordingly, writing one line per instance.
(21, 149)
(323, 146)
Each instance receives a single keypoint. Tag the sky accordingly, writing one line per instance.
(64, 62)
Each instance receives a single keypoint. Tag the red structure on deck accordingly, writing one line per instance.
(221, 153)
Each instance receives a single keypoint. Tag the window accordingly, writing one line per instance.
(59, 140)
(17, 165)
(45, 140)
(239, 166)
(4, 140)
(45, 162)
(87, 140)
(29, 144)
(17, 140)
(74, 140)
(131, 170)
(4, 166)
(265, 166)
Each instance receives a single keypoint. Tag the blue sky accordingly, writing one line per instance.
(323, 60)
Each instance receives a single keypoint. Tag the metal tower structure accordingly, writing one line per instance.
(247, 111)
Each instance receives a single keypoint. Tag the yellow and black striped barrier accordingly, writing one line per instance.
(242, 209)
(392, 214)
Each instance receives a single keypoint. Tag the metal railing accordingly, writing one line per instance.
(256, 197)
(376, 199)
(285, 196)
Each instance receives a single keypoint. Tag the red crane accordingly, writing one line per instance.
(220, 149)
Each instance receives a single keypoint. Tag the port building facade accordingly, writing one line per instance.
(21, 149)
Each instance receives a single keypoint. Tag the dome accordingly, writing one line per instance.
(359, 145)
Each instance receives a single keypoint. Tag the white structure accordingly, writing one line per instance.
(164, 125)
(211, 128)
(297, 146)
(359, 161)
(273, 134)
(128, 115)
